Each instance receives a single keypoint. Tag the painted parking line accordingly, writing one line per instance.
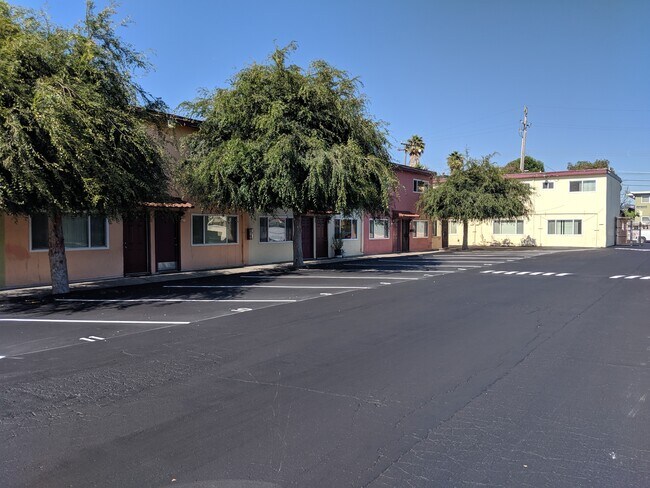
(372, 265)
(563, 274)
(327, 277)
(616, 277)
(646, 278)
(548, 274)
(92, 339)
(76, 321)
(176, 300)
(632, 277)
(536, 273)
(301, 287)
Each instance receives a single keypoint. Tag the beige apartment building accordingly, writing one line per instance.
(569, 209)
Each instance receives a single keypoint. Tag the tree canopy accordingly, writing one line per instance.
(530, 164)
(72, 135)
(475, 190)
(284, 137)
(598, 163)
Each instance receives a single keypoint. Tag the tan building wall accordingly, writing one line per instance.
(25, 267)
(208, 256)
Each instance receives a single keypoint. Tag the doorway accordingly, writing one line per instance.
(406, 234)
(167, 239)
(322, 244)
(307, 237)
(136, 244)
(444, 225)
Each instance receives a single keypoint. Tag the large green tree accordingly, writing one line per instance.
(72, 138)
(283, 137)
(475, 190)
(530, 164)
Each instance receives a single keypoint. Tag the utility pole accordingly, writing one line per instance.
(522, 132)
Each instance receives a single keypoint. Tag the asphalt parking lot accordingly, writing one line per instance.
(499, 367)
(30, 326)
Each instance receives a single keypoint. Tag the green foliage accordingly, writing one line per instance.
(475, 191)
(598, 163)
(281, 137)
(530, 164)
(71, 137)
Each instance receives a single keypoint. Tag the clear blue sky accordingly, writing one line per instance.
(455, 72)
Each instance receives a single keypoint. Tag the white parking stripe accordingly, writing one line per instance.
(488, 271)
(86, 339)
(548, 274)
(498, 272)
(179, 300)
(536, 273)
(646, 278)
(616, 277)
(97, 338)
(272, 286)
(563, 274)
(66, 321)
(632, 277)
(510, 272)
(523, 272)
(327, 277)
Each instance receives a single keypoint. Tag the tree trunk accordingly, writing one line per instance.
(465, 235)
(56, 253)
(297, 241)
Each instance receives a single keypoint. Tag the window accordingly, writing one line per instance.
(79, 232)
(508, 227)
(548, 185)
(565, 227)
(645, 199)
(276, 229)
(420, 186)
(420, 228)
(582, 185)
(213, 229)
(453, 227)
(379, 228)
(434, 231)
(345, 228)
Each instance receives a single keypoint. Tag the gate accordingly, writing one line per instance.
(624, 231)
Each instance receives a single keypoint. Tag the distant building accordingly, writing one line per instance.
(642, 205)
(569, 209)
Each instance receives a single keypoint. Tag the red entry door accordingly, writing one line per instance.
(167, 237)
(308, 237)
(136, 245)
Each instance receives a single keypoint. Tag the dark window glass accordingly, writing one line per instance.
(39, 231)
(232, 229)
(575, 186)
(197, 229)
(289, 233)
(98, 232)
(264, 229)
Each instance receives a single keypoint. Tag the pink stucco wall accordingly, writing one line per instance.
(405, 200)
(24, 267)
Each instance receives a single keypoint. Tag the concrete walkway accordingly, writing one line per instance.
(185, 275)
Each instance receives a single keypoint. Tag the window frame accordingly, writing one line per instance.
(371, 233)
(508, 221)
(415, 228)
(582, 185)
(226, 216)
(555, 233)
(90, 247)
(339, 219)
(644, 199)
(415, 185)
(456, 223)
(548, 185)
(267, 217)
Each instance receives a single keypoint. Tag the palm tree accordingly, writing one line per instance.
(455, 161)
(414, 147)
